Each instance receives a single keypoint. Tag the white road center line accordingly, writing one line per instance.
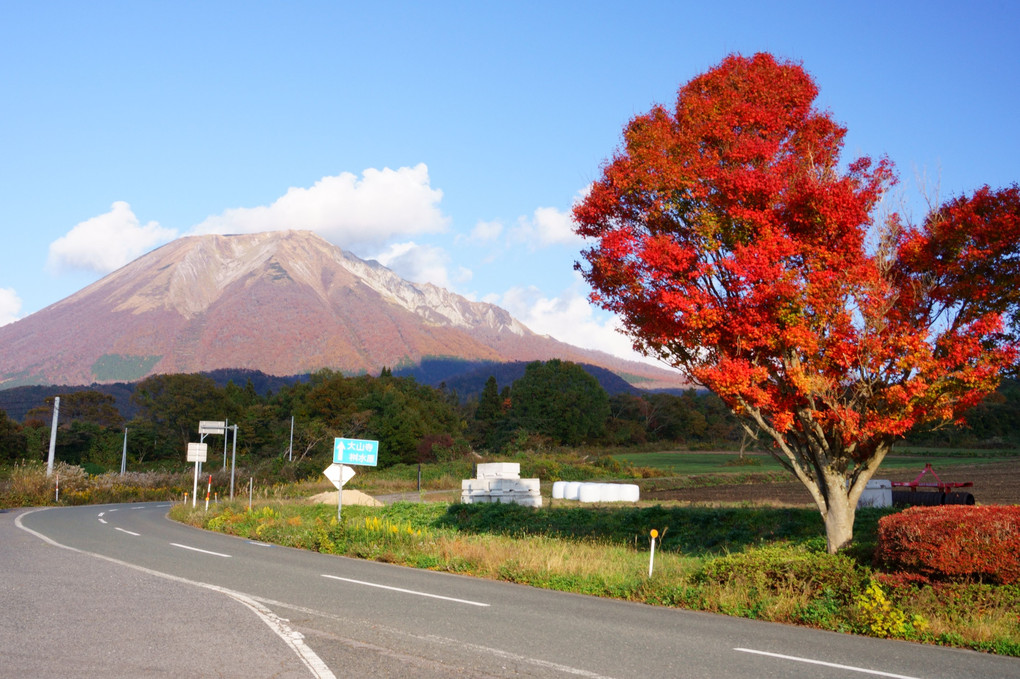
(126, 531)
(849, 668)
(196, 549)
(407, 591)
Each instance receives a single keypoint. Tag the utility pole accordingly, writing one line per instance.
(53, 435)
(233, 458)
(290, 450)
(123, 455)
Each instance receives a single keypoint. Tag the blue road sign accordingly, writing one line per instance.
(355, 451)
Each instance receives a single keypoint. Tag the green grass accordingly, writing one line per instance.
(762, 563)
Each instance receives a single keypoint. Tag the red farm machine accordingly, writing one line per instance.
(933, 491)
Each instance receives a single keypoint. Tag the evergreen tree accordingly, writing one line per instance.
(561, 400)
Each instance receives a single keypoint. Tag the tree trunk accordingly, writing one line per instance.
(838, 502)
(839, 519)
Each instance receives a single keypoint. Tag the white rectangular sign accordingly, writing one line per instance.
(198, 452)
(211, 427)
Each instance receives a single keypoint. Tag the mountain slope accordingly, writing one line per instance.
(284, 303)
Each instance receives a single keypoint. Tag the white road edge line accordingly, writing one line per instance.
(203, 551)
(445, 641)
(122, 530)
(849, 668)
(293, 638)
(408, 591)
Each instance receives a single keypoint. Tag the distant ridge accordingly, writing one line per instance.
(464, 378)
(283, 303)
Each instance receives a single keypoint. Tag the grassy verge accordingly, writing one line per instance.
(767, 564)
(26, 484)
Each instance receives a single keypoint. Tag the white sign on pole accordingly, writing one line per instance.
(212, 427)
(338, 474)
(198, 452)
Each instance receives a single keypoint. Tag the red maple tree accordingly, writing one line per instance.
(734, 246)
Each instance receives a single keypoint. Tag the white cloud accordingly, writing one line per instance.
(106, 242)
(547, 226)
(346, 210)
(485, 232)
(570, 318)
(10, 306)
(422, 264)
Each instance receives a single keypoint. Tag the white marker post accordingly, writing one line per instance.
(651, 560)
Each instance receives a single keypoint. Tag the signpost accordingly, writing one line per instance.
(197, 453)
(212, 427)
(345, 452)
(338, 474)
(206, 427)
(356, 451)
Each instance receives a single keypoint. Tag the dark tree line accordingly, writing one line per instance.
(554, 403)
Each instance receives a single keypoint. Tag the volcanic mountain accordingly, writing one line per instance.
(284, 302)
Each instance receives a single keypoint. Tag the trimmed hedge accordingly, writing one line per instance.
(774, 567)
(953, 542)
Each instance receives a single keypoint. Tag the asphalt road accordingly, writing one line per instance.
(121, 591)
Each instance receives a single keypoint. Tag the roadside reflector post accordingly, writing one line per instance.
(651, 560)
(207, 491)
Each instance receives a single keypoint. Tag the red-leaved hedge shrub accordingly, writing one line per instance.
(953, 542)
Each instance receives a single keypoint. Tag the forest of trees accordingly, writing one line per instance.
(555, 403)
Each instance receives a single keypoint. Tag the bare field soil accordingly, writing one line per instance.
(994, 483)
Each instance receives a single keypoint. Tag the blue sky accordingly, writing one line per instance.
(448, 140)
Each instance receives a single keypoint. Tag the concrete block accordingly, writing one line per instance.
(530, 485)
(502, 470)
(878, 493)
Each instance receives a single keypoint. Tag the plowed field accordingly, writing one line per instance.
(994, 483)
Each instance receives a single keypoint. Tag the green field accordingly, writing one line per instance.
(685, 463)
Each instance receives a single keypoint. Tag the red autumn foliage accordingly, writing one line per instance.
(735, 246)
(952, 542)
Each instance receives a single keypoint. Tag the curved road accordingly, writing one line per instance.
(121, 591)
